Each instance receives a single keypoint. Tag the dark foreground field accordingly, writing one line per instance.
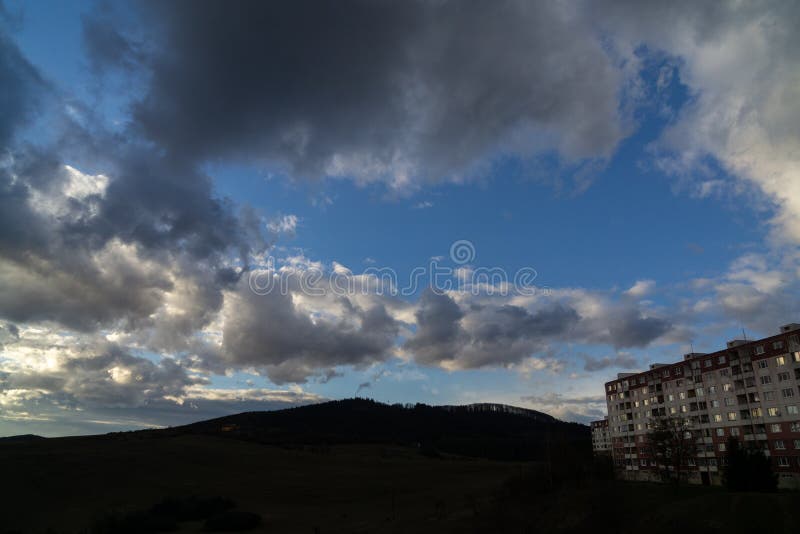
(66, 484)
(69, 484)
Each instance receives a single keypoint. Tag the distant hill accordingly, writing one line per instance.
(21, 438)
(492, 431)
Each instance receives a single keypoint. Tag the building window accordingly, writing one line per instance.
(777, 345)
(797, 444)
(682, 395)
(699, 392)
(721, 359)
(715, 403)
(720, 431)
(673, 410)
(782, 377)
(766, 380)
(780, 360)
(759, 349)
(756, 412)
(791, 410)
(671, 397)
(718, 418)
(795, 427)
(730, 401)
(775, 427)
(732, 416)
(762, 364)
(779, 445)
(684, 408)
(796, 357)
(783, 461)
(707, 363)
(727, 387)
(721, 447)
(735, 432)
(769, 395)
(774, 412)
(787, 393)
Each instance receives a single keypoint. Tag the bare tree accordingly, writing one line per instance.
(672, 444)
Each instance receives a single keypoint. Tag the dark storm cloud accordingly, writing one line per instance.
(377, 90)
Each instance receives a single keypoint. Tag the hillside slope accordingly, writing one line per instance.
(481, 430)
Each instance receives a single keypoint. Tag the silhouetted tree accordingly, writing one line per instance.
(748, 469)
(672, 444)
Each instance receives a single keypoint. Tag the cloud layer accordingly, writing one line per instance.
(124, 276)
(402, 93)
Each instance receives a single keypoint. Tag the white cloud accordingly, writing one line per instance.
(741, 63)
(284, 224)
(641, 288)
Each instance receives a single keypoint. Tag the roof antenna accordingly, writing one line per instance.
(691, 346)
(744, 334)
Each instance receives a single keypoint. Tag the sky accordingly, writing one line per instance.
(212, 207)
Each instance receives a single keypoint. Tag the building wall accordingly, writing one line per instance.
(748, 390)
(601, 437)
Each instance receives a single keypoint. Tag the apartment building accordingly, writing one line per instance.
(601, 438)
(748, 391)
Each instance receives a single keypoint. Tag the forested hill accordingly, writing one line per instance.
(481, 430)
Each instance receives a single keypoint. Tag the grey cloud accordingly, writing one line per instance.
(439, 335)
(376, 90)
(21, 87)
(113, 378)
(477, 331)
(271, 332)
(623, 361)
(86, 255)
(632, 329)
(9, 333)
(106, 46)
(483, 335)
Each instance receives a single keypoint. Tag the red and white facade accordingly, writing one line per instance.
(749, 391)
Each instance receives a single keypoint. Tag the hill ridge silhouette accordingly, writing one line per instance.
(487, 430)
